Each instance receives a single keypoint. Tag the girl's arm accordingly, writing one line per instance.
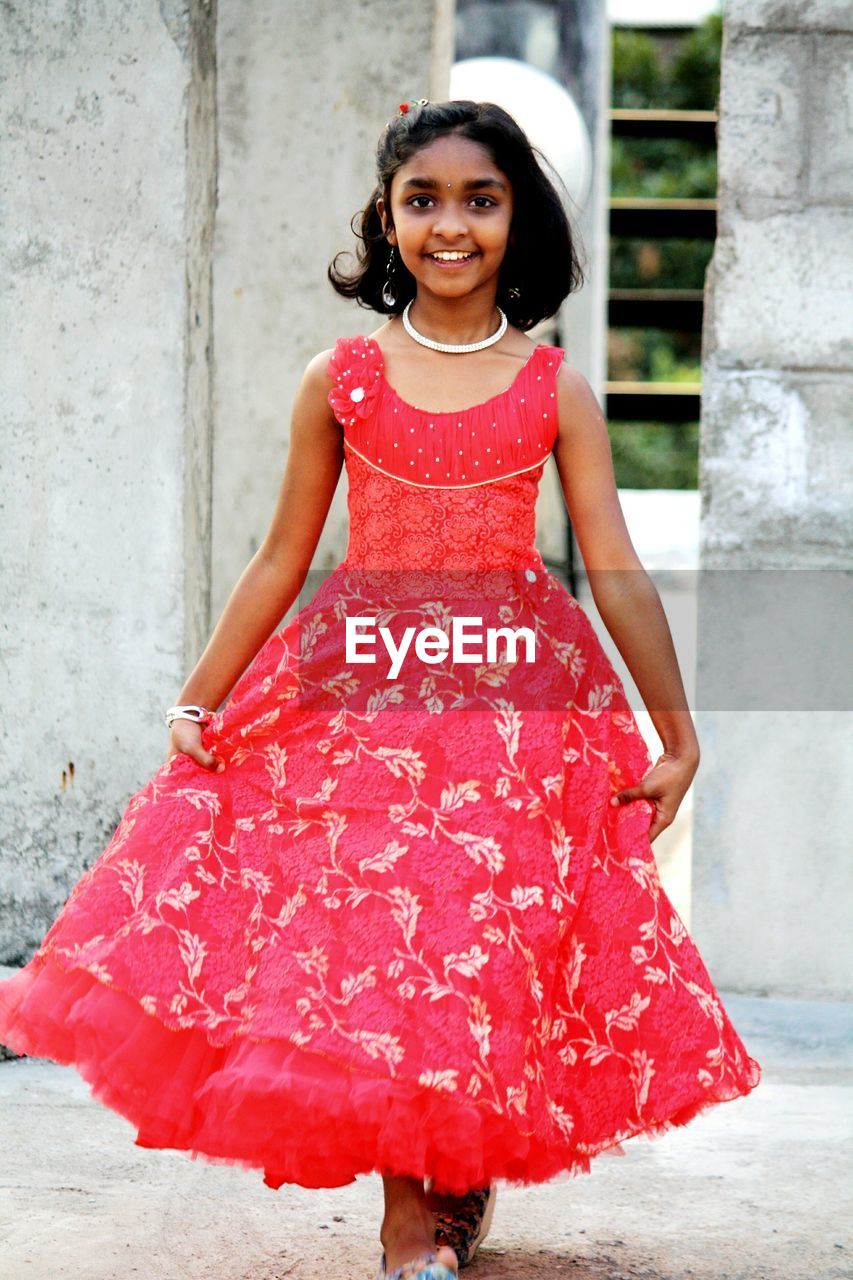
(624, 594)
(273, 577)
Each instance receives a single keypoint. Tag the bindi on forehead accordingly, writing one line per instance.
(472, 184)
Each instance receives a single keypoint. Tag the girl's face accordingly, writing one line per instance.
(450, 196)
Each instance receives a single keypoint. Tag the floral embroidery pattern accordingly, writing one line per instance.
(404, 926)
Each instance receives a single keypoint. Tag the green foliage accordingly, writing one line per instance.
(683, 73)
(664, 168)
(636, 69)
(654, 71)
(655, 455)
(666, 366)
(694, 79)
(654, 355)
(658, 264)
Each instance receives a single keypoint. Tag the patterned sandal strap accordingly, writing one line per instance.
(424, 1267)
(450, 1233)
(460, 1228)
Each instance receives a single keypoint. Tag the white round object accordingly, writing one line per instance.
(546, 111)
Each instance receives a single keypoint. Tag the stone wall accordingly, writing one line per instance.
(772, 872)
(175, 179)
(302, 104)
(105, 328)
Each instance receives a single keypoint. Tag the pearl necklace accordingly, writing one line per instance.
(458, 347)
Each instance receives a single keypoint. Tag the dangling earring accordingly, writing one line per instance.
(514, 292)
(389, 297)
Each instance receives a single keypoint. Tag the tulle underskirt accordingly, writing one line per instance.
(297, 1114)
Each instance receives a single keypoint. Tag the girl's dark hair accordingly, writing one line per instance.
(541, 261)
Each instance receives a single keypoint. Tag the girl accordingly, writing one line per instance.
(410, 922)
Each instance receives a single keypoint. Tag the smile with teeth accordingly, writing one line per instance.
(451, 255)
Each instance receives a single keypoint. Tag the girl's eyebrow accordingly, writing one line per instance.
(472, 185)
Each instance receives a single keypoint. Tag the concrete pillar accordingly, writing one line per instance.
(305, 88)
(587, 73)
(772, 871)
(105, 330)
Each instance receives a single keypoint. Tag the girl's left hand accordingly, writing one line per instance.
(664, 785)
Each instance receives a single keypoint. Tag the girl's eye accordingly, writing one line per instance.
(420, 206)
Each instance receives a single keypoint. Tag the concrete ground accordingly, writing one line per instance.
(755, 1189)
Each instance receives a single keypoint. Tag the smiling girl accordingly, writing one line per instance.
(410, 925)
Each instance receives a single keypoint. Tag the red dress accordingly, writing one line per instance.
(404, 930)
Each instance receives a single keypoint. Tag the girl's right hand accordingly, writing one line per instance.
(185, 738)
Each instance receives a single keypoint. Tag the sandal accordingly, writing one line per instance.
(464, 1227)
(424, 1267)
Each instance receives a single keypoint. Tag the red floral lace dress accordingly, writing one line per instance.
(404, 930)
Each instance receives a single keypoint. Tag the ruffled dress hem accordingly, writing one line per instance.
(295, 1113)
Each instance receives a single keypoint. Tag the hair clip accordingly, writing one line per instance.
(418, 102)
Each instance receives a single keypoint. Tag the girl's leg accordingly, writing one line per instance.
(408, 1227)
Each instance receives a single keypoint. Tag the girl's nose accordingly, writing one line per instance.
(450, 224)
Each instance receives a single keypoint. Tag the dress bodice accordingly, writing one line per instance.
(454, 489)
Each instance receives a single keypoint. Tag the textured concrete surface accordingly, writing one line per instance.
(165, 235)
(106, 131)
(756, 1189)
(304, 89)
(774, 696)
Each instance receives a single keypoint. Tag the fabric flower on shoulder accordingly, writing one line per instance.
(356, 366)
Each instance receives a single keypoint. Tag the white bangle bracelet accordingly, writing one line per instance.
(200, 715)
